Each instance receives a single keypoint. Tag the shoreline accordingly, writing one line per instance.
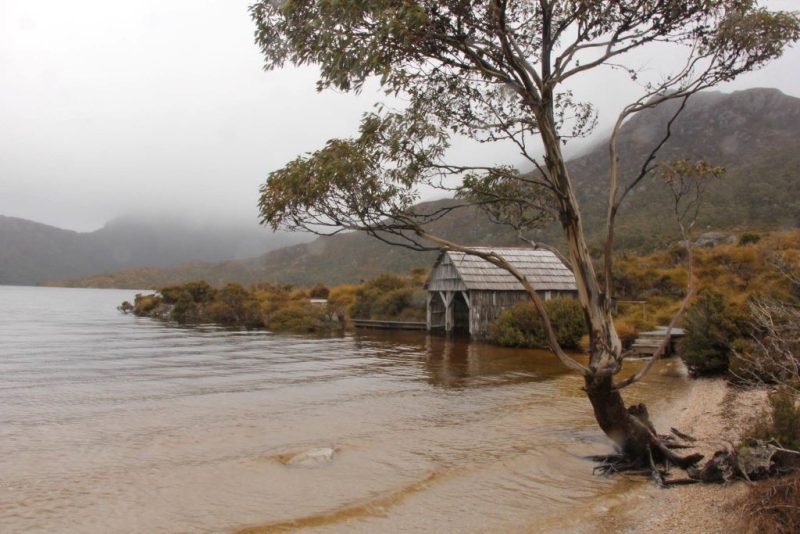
(716, 414)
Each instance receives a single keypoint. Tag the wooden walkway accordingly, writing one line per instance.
(648, 342)
(389, 325)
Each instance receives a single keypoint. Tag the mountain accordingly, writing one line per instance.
(32, 253)
(753, 133)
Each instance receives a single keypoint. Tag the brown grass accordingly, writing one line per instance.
(772, 506)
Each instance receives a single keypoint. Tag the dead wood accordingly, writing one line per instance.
(681, 435)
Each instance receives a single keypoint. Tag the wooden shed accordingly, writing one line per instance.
(466, 292)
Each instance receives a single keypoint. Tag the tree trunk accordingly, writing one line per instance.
(615, 420)
(630, 427)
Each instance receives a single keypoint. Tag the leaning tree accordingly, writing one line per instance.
(500, 71)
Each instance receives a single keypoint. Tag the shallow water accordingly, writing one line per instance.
(112, 423)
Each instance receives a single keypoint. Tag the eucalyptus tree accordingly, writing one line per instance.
(501, 71)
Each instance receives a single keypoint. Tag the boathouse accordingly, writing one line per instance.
(466, 292)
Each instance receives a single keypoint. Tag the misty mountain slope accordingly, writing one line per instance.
(753, 133)
(32, 253)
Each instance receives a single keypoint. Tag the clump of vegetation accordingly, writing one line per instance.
(712, 326)
(772, 506)
(145, 304)
(301, 318)
(389, 297)
(319, 291)
(285, 308)
(749, 238)
(627, 332)
(275, 307)
(781, 421)
(521, 326)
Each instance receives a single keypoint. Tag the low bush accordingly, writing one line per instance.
(144, 304)
(297, 318)
(387, 297)
(521, 326)
(781, 421)
(319, 291)
(749, 239)
(711, 326)
(627, 332)
(771, 506)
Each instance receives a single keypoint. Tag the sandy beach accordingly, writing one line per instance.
(716, 414)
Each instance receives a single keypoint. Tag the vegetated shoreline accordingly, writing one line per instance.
(717, 414)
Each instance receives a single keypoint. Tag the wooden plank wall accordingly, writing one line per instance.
(486, 306)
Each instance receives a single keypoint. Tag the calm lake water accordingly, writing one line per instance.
(112, 423)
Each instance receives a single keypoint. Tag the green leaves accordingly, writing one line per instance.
(356, 182)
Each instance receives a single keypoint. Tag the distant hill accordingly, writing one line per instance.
(753, 133)
(32, 253)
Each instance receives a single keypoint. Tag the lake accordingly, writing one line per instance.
(113, 423)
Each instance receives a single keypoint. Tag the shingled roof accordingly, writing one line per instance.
(542, 268)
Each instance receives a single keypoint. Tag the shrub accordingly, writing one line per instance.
(200, 291)
(171, 294)
(771, 506)
(781, 422)
(521, 325)
(392, 303)
(319, 291)
(385, 283)
(185, 309)
(386, 297)
(627, 332)
(234, 305)
(340, 299)
(297, 318)
(711, 328)
(144, 304)
(749, 239)
(568, 320)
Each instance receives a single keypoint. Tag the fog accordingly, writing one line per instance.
(111, 108)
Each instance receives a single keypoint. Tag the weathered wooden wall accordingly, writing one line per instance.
(436, 311)
(486, 306)
(444, 277)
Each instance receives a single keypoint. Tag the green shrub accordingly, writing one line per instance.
(627, 332)
(171, 294)
(143, 305)
(387, 297)
(185, 309)
(521, 325)
(749, 239)
(568, 320)
(781, 422)
(711, 326)
(297, 318)
(319, 291)
(392, 303)
(200, 291)
(385, 283)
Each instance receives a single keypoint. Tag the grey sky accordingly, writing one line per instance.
(109, 107)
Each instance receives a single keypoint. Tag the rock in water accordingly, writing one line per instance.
(312, 457)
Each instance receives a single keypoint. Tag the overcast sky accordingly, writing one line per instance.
(109, 107)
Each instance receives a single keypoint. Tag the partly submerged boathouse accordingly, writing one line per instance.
(466, 292)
